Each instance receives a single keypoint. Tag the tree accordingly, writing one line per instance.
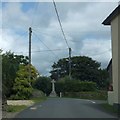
(82, 68)
(22, 88)
(104, 81)
(10, 66)
(43, 84)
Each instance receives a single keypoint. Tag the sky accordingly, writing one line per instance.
(81, 21)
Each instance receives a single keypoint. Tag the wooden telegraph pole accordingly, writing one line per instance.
(30, 34)
(70, 63)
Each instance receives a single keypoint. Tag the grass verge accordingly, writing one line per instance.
(19, 108)
(39, 99)
(11, 108)
(109, 108)
(95, 95)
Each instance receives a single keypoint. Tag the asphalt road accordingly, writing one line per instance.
(66, 108)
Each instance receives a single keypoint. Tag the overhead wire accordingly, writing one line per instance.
(46, 33)
(49, 50)
(44, 50)
(64, 36)
(46, 45)
(101, 53)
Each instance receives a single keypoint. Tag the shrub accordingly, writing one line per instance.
(67, 85)
(95, 95)
(43, 84)
(22, 90)
(37, 93)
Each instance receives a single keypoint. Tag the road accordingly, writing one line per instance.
(65, 108)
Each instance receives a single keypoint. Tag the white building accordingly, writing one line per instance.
(114, 20)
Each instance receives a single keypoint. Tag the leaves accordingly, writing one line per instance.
(82, 68)
(43, 84)
(10, 66)
(22, 87)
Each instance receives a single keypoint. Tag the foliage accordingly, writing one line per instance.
(43, 84)
(39, 99)
(110, 108)
(93, 95)
(37, 93)
(67, 85)
(22, 88)
(11, 108)
(103, 81)
(82, 68)
(10, 65)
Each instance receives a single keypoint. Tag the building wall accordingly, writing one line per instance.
(119, 59)
(110, 74)
(115, 59)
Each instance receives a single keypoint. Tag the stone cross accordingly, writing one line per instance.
(53, 93)
(53, 85)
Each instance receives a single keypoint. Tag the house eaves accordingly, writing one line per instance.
(115, 13)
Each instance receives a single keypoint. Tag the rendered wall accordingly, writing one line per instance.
(116, 58)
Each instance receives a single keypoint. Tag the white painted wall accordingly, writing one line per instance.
(116, 58)
(110, 97)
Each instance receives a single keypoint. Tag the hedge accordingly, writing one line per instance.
(74, 86)
(96, 95)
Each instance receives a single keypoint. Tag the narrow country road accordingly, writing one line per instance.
(65, 108)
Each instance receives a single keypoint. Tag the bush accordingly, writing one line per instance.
(96, 95)
(43, 84)
(67, 85)
(87, 86)
(21, 90)
(37, 94)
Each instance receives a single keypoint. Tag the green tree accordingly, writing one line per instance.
(43, 84)
(10, 66)
(83, 68)
(22, 88)
(104, 81)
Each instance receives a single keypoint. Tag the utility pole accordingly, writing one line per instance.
(30, 34)
(70, 63)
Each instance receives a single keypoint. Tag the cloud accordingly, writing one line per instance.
(99, 50)
(81, 23)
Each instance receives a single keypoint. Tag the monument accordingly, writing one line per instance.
(53, 93)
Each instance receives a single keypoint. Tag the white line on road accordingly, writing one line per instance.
(33, 108)
(91, 101)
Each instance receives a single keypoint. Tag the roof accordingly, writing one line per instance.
(110, 63)
(115, 13)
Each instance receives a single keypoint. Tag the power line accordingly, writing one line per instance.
(60, 23)
(49, 50)
(101, 52)
(46, 34)
(45, 45)
(43, 51)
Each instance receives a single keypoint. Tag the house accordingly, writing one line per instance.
(109, 69)
(113, 20)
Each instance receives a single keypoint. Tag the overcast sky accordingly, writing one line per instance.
(82, 23)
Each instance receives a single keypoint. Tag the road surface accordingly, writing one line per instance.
(66, 108)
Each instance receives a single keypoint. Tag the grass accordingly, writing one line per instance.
(95, 95)
(109, 108)
(39, 99)
(19, 108)
(11, 108)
